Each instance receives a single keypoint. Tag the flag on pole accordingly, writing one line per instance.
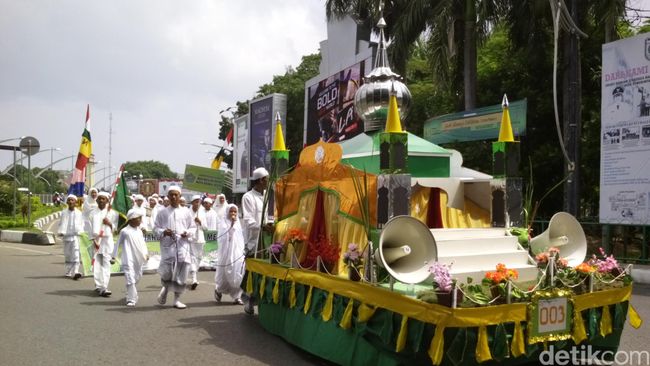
(218, 159)
(85, 150)
(120, 200)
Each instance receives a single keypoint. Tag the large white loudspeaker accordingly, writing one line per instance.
(406, 249)
(565, 233)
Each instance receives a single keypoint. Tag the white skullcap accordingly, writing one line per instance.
(93, 189)
(104, 194)
(155, 195)
(153, 198)
(71, 196)
(174, 188)
(208, 200)
(134, 213)
(195, 197)
(139, 197)
(259, 173)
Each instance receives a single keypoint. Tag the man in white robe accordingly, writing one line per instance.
(71, 225)
(134, 254)
(173, 227)
(211, 218)
(230, 259)
(252, 203)
(89, 205)
(199, 224)
(152, 212)
(104, 223)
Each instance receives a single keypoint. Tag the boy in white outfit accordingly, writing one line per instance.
(70, 227)
(134, 254)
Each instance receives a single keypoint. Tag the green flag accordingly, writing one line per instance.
(121, 202)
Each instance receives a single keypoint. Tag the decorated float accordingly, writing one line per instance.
(372, 265)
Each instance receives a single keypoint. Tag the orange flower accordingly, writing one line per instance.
(501, 267)
(585, 268)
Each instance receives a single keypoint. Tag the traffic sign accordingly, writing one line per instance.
(30, 145)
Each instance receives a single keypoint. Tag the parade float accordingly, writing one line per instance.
(372, 265)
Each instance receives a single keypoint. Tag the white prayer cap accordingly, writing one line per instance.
(93, 189)
(195, 197)
(133, 213)
(174, 188)
(153, 198)
(104, 194)
(71, 196)
(208, 200)
(139, 197)
(155, 195)
(259, 173)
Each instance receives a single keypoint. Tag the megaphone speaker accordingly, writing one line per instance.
(406, 249)
(565, 233)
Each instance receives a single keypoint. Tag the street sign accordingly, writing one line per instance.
(29, 145)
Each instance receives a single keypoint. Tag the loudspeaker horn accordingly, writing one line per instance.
(406, 249)
(565, 233)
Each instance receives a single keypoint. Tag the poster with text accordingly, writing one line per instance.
(625, 132)
(330, 106)
(241, 155)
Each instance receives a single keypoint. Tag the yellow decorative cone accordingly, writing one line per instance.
(393, 122)
(278, 142)
(505, 132)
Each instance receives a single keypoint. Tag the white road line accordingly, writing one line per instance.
(26, 250)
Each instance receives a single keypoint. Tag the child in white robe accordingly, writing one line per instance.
(134, 254)
(230, 257)
(70, 227)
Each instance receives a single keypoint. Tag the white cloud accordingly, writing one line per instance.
(163, 68)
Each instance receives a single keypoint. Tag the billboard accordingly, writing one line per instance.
(261, 128)
(625, 132)
(240, 159)
(201, 179)
(478, 124)
(329, 103)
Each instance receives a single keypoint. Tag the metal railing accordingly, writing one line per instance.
(628, 243)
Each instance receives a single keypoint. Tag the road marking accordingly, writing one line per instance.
(26, 250)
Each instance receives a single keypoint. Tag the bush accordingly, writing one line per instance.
(7, 198)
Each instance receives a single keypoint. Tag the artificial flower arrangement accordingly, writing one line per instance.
(543, 258)
(497, 282)
(295, 238)
(352, 258)
(607, 272)
(326, 250)
(275, 251)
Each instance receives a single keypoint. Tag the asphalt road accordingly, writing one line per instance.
(47, 319)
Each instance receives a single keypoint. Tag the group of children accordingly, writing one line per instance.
(180, 230)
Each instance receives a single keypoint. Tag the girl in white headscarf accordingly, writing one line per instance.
(220, 204)
(230, 257)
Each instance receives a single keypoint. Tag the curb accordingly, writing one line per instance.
(40, 223)
(641, 274)
(45, 238)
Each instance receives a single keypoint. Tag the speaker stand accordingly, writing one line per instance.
(391, 281)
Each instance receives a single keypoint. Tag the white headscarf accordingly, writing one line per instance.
(225, 221)
(219, 207)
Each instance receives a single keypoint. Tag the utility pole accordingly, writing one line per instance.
(572, 113)
(110, 141)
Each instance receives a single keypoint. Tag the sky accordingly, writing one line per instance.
(163, 69)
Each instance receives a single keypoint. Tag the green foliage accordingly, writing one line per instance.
(292, 83)
(149, 169)
(7, 198)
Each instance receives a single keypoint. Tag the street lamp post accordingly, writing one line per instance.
(52, 156)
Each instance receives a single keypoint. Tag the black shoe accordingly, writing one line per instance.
(238, 302)
(249, 309)
(217, 296)
(194, 285)
(76, 276)
(105, 293)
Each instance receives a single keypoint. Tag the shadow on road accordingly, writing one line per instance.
(240, 334)
(73, 293)
(47, 277)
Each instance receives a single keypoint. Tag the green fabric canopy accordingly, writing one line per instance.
(425, 159)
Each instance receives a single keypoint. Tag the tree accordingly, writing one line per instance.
(292, 83)
(149, 169)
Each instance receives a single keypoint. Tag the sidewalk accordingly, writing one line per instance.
(26, 237)
(641, 273)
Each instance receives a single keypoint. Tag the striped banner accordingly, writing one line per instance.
(85, 150)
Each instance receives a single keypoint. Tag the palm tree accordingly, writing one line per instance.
(447, 25)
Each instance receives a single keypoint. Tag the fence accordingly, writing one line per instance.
(628, 243)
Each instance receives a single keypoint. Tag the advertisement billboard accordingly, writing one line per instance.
(329, 103)
(202, 179)
(261, 128)
(240, 159)
(625, 132)
(478, 124)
